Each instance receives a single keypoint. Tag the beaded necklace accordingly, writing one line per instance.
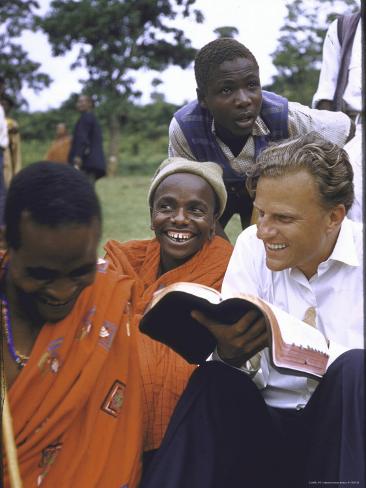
(20, 359)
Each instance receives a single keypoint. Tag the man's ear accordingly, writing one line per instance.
(201, 98)
(336, 216)
(151, 224)
(213, 228)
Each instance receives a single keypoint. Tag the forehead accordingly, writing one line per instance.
(297, 191)
(83, 99)
(191, 185)
(57, 247)
(238, 66)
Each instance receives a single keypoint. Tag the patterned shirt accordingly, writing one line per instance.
(334, 126)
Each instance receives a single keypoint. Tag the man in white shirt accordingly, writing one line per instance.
(342, 48)
(340, 89)
(305, 257)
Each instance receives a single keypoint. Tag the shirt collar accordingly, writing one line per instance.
(345, 249)
(259, 127)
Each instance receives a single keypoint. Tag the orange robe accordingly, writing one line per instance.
(77, 404)
(12, 154)
(59, 150)
(164, 373)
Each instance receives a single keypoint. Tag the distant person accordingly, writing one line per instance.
(340, 80)
(12, 154)
(60, 147)
(340, 88)
(232, 120)
(4, 142)
(86, 151)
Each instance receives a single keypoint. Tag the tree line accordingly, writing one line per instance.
(116, 39)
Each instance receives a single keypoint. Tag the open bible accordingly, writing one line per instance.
(295, 347)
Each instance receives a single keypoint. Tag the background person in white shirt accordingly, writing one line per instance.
(340, 79)
(340, 89)
(303, 254)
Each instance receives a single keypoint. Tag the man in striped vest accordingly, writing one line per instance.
(232, 120)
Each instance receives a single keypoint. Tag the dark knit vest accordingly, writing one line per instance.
(347, 26)
(196, 124)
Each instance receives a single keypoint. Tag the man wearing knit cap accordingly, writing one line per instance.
(185, 200)
(207, 170)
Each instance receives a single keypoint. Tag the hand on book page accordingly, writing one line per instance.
(238, 342)
(295, 347)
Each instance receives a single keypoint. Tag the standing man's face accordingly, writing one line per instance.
(296, 230)
(234, 96)
(61, 130)
(83, 104)
(52, 266)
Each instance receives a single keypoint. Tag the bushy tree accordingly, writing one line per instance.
(117, 38)
(299, 52)
(226, 31)
(16, 67)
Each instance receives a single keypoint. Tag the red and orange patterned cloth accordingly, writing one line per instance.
(164, 373)
(77, 404)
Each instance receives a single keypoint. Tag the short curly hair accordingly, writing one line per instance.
(215, 53)
(54, 194)
(326, 162)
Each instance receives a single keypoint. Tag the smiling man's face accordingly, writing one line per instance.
(296, 230)
(52, 266)
(183, 217)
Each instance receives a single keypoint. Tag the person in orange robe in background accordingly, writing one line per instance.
(12, 154)
(185, 199)
(70, 358)
(60, 147)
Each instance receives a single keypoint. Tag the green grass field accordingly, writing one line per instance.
(125, 209)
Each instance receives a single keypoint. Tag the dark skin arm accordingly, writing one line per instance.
(239, 342)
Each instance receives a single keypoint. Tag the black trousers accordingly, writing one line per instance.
(223, 435)
(238, 202)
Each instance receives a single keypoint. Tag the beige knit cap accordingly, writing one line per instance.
(211, 172)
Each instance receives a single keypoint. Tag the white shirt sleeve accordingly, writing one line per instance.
(178, 145)
(334, 351)
(330, 66)
(334, 126)
(242, 277)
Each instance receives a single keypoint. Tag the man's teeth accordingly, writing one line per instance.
(179, 236)
(55, 304)
(274, 247)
